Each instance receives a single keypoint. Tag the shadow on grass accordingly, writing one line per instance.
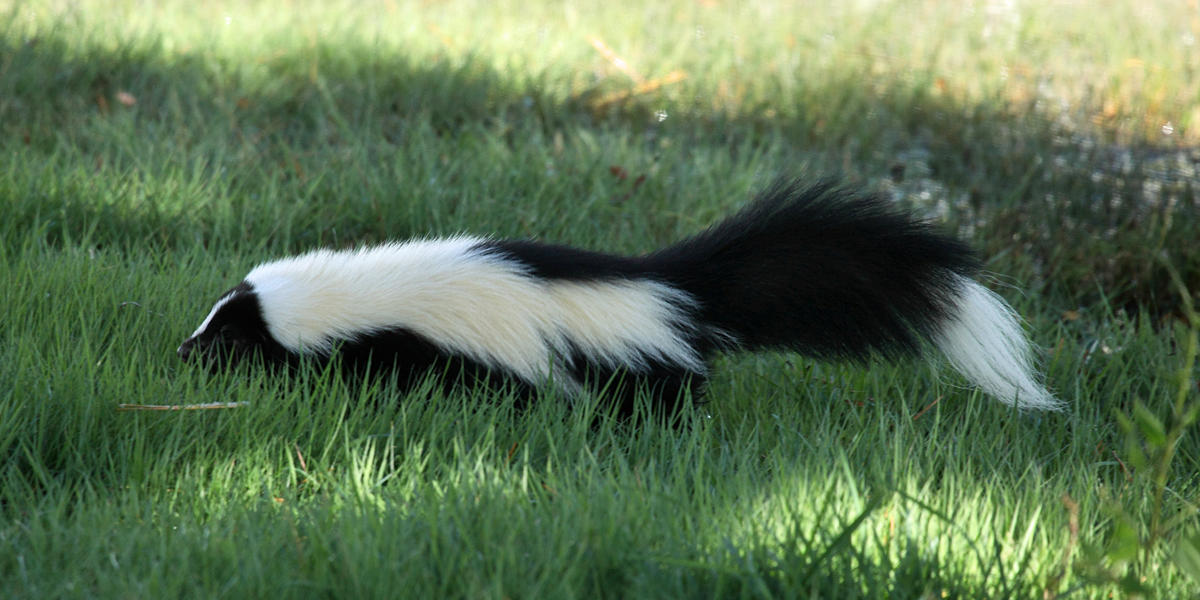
(132, 145)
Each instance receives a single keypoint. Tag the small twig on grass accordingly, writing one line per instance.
(926, 409)
(1124, 469)
(642, 88)
(642, 85)
(300, 457)
(207, 406)
(611, 56)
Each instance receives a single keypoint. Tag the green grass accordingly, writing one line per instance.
(1059, 138)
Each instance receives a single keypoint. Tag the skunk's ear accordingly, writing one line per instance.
(232, 336)
(232, 332)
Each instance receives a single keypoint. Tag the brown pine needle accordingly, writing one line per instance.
(926, 409)
(643, 88)
(444, 37)
(618, 62)
(208, 406)
(300, 457)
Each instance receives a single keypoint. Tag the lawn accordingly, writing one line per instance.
(152, 153)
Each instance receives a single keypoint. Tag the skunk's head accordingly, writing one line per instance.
(233, 332)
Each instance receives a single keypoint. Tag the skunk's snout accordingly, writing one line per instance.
(185, 349)
(216, 350)
(194, 347)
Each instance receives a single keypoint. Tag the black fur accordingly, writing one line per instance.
(552, 261)
(820, 271)
(237, 333)
(411, 357)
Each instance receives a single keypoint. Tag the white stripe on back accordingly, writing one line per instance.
(469, 301)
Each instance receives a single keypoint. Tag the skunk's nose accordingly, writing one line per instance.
(185, 349)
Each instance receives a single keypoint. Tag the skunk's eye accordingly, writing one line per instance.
(229, 331)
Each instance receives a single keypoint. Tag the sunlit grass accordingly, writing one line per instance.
(153, 152)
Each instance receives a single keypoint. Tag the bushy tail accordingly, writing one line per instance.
(839, 275)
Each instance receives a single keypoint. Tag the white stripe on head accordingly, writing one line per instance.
(985, 342)
(212, 313)
(470, 301)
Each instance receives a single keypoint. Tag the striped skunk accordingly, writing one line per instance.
(815, 269)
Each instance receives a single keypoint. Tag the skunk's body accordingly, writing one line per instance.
(817, 270)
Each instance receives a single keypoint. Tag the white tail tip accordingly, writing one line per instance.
(985, 342)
